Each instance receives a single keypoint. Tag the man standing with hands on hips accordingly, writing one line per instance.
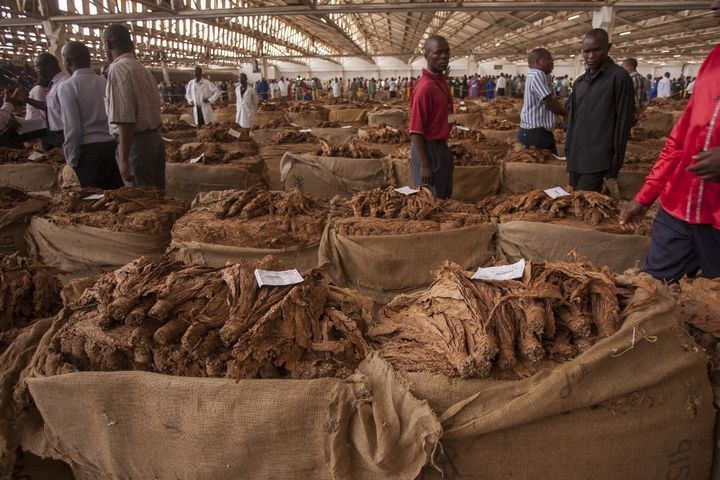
(201, 94)
(430, 106)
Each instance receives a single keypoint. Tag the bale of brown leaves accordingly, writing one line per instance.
(699, 301)
(293, 136)
(383, 134)
(127, 209)
(256, 218)
(162, 316)
(242, 154)
(520, 154)
(466, 328)
(350, 149)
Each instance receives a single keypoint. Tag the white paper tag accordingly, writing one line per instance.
(305, 130)
(96, 196)
(277, 279)
(504, 272)
(407, 190)
(559, 158)
(234, 133)
(35, 156)
(463, 109)
(167, 139)
(464, 129)
(294, 124)
(347, 126)
(393, 129)
(197, 159)
(556, 192)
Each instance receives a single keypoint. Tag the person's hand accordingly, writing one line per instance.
(708, 165)
(126, 172)
(629, 220)
(426, 175)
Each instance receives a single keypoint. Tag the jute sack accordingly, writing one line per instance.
(553, 242)
(507, 135)
(473, 183)
(636, 405)
(272, 155)
(325, 177)
(15, 421)
(346, 115)
(523, 177)
(83, 249)
(214, 255)
(402, 171)
(335, 136)
(225, 115)
(185, 180)
(261, 118)
(142, 425)
(31, 177)
(470, 120)
(308, 118)
(393, 118)
(14, 223)
(382, 266)
(68, 178)
(658, 124)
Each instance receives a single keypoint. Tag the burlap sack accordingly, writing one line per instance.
(470, 120)
(382, 267)
(335, 136)
(185, 180)
(402, 172)
(31, 177)
(637, 405)
(475, 183)
(14, 223)
(658, 124)
(272, 155)
(348, 115)
(261, 118)
(325, 177)
(523, 177)
(393, 118)
(187, 118)
(547, 241)
(308, 118)
(141, 425)
(213, 255)
(82, 249)
(505, 135)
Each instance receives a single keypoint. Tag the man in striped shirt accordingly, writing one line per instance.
(540, 107)
(639, 85)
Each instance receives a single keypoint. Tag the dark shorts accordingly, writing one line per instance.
(442, 165)
(679, 248)
(587, 181)
(97, 166)
(538, 137)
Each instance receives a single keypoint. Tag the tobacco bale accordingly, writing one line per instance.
(211, 322)
(256, 218)
(387, 212)
(28, 291)
(466, 328)
(383, 134)
(128, 209)
(293, 136)
(699, 301)
(496, 124)
(241, 154)
(350, 149)
(530, 155)
(218, 132)
(591, 208)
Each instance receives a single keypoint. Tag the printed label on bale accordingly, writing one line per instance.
(305, 130)
(504, 272)
(234, 133)
(167, 139)
(461, 128)
(96, 196)
(407, 190)
(347, 126)
(556, 192)
(277, 279)
(197, 159)
(35, 156)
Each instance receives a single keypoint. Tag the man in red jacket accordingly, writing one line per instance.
(686, 179)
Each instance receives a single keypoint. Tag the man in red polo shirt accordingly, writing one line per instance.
(686, 178)
(431, 103)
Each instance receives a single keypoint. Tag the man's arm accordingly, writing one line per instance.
(624, 120)
(417, 143)
(554, 105)
(215, 93)
(125, 138)
(72, 126)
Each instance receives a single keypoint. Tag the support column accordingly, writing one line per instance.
(57, 37)
(165, 72)
(605, 19)
(264, 68)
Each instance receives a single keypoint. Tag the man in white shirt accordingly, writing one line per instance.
(247, 102)
(283, 86)
(501, 85)
(48, 70)
(392, 88)
(336, 87)
(201, 94)
(664, 89)
(89, 148)
(37, 93)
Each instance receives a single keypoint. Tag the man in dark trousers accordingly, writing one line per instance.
(686, 179)
(430, 106)
(602, 112)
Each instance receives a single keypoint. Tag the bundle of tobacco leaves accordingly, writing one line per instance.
(163, 316)
(467, 328)
(520, 154)
(350, 149)
(327, 124)
(293, 136)
(496, 124)
(256, 218)
(276, 123)
(383, 134)
(467, 134)
(699, 301)
(305, 107)
(242, 154)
